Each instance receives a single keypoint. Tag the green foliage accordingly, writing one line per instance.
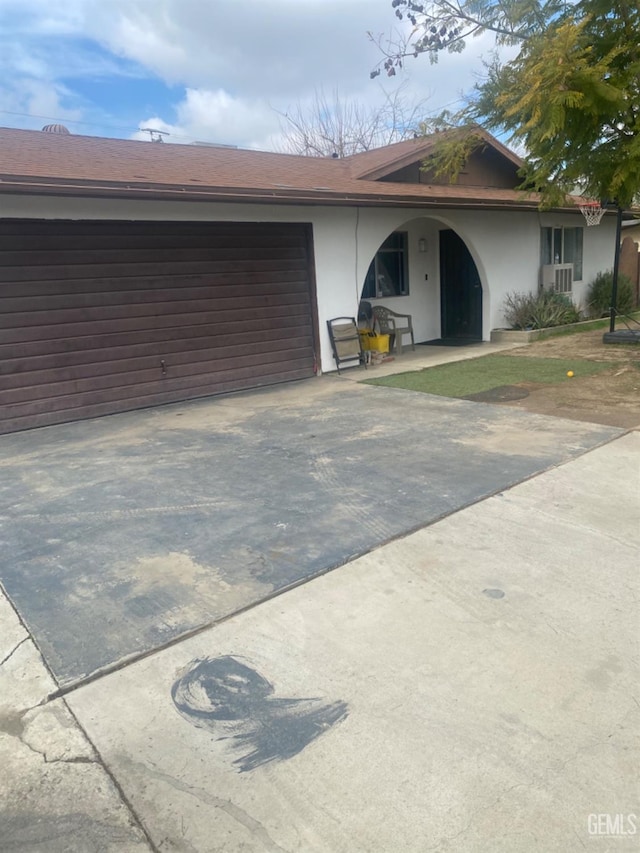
(544, 311)
(570, 98)
(599, 294)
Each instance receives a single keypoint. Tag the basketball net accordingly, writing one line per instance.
(592, 211)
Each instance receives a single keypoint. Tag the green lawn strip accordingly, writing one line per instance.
(461, 378)
(589, 326)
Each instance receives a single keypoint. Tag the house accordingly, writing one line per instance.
(134, 273)
(630, 255)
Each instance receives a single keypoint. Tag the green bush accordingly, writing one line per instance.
(547, 309)
(599, 294)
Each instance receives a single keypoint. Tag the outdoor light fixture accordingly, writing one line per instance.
(422, 245)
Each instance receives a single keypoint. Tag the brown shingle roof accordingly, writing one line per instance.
(33, 161)
(379, 162)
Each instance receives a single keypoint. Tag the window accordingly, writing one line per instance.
(562, 246)
(387, 275)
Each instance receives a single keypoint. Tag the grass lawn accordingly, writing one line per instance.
(472, 376)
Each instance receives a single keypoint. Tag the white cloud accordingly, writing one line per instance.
(215, 116)
(273, 53)
(43, 17)
(41, 99)
(237, 62)
(258, 47)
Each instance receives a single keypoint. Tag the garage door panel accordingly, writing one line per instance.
(77, 257)
(139, 401)
(119, 359)
(117, 233)
(178, 372)
(270, 317)
(209, 358)
(253, 330)
(90, 314)
(52, 297)
(185, 387)
(168, 269)
(65, 242)
(229, 310)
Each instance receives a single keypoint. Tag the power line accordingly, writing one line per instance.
(129, 129)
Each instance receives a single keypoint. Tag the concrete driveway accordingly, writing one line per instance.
(470, 687)
(122, 534)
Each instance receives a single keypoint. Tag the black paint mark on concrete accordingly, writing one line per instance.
(493, 593)
(236, 703)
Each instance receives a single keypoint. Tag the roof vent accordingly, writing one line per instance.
(55, 128)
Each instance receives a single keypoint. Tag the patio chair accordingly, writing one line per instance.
(345, 341)
(365, 315)
(396, 325)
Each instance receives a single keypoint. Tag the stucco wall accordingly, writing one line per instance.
(505, 246)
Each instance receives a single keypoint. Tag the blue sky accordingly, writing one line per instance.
(201, 69)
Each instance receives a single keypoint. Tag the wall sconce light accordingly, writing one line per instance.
(422, 245)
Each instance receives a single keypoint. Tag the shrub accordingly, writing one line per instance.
(599, 294)
(547, 309)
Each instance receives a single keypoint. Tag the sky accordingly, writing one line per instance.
(220, 71)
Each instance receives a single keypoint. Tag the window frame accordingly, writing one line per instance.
(400, 256)
(553, 238)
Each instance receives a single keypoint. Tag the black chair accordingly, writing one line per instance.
(345, 341)
(365, 315)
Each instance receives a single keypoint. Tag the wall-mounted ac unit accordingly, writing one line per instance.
(558, 277)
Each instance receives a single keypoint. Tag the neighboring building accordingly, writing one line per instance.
(630, 255)
(133, 274)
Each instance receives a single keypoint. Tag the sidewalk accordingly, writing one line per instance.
(467, 688)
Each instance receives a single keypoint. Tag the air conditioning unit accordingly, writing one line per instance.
(557, 277)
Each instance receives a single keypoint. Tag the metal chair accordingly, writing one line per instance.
(345, 341)
(392, 323)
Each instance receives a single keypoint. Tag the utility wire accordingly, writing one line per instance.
(58, 119)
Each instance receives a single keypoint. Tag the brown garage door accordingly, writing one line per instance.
(101, 317)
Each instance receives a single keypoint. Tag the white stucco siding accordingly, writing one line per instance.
(504, 244)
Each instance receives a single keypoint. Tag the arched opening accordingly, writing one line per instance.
(460, 291)
(424, 268)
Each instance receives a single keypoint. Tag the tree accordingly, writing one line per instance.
(342, 127)
(570, 98)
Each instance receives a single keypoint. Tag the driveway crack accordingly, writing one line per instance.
(13, 651)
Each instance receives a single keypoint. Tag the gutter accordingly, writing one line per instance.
(10, 185)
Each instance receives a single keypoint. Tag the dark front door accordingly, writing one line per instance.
(460, 290)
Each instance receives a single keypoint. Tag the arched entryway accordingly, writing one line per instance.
(460, 291)
(426, 267)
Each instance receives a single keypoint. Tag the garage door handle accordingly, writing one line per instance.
(163, 367)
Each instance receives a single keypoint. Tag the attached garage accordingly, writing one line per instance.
(99, 317)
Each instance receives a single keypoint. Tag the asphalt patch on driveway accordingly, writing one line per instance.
(123, 533)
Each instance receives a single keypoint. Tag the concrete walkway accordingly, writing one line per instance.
(471, 687)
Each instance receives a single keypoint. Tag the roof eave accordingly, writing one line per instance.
(262, 196)
(426, 148)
